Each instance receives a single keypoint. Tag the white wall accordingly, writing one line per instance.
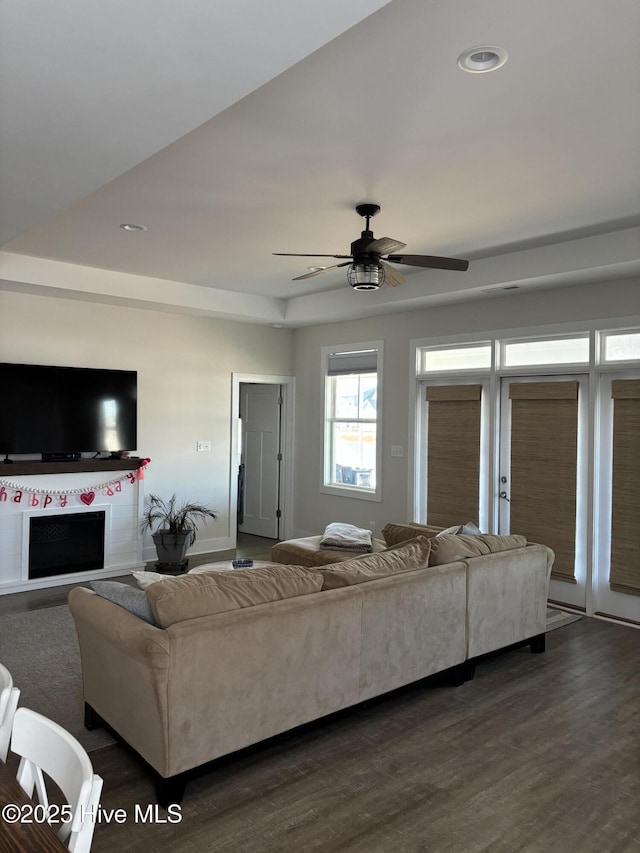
(184, 369)
(578, 304)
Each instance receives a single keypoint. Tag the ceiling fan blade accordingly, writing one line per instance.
(319, 272)
(430, 261)
(391, 275)
(384, 245)
(303, 255)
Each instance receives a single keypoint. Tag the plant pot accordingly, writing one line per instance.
(171, 548)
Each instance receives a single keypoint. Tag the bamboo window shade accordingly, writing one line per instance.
(453, 454)
(544, 445)
(625, 491)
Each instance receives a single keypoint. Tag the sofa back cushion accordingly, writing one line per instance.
(190, 596)
(403, 557)
(448, 548)
(394, 532)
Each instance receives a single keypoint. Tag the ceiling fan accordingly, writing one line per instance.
(368, 270)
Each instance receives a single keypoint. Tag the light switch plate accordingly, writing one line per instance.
(204, 445)
(397, 450)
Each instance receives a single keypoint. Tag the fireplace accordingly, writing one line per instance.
(66, 543)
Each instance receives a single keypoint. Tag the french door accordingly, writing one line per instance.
(616, 574)
(553, 457)
(543, 468)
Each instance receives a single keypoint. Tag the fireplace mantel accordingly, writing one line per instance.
(79, 466)
(34, 488)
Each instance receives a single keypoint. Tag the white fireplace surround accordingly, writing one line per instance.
(123, 510)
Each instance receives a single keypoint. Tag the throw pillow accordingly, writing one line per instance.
(132, 599)
(468, 529)
(145, 579)
(192, 596)
(403, 557)
(451, 531)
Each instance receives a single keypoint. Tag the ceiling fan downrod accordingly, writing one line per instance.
(368, 211)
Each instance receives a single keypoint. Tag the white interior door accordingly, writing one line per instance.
(535, 495)
(260, 414)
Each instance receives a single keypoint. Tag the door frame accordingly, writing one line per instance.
(287, 384)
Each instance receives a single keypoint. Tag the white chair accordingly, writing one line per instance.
(45, 746)
(9, 696)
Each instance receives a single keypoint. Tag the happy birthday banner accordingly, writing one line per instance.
(11, 492)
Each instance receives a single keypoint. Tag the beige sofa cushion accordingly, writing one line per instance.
(191, 596)
(448, 548)
(404, 557)
(394, 533)
(307, 552)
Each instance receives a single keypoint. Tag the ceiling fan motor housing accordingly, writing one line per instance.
(366, 272)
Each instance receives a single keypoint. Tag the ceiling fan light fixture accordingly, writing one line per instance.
(365, 276)
(482, 59)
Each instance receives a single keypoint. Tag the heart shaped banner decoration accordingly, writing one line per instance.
(87, 498)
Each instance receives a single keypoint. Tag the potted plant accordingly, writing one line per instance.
(173, 527)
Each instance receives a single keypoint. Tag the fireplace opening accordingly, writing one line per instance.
(70, 542)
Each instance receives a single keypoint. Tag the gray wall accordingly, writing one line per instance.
(578, 304)
(184, 369)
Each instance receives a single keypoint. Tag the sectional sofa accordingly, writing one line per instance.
(223, 660)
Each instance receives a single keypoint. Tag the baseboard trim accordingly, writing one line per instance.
(613, 618)
(565, 606)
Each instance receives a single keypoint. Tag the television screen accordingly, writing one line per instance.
(46, 409)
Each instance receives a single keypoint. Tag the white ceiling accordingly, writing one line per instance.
(236, 128)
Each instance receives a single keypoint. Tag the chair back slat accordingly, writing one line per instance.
(46, 749)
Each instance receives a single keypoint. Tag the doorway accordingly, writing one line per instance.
(260, 459)
(262, 455)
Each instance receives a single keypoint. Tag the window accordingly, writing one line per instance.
(620, 346)
(466, 357)
(352, 397)
(573, 350)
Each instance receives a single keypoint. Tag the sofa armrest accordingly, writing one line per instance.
(125, 672)
(506, 597)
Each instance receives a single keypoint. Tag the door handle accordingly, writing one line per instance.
(504, 497)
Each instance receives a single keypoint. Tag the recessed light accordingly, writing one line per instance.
(129, 227)
(481, 59)
(316, 269)
(276, 325)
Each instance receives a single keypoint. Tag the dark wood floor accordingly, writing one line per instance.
(538, 754)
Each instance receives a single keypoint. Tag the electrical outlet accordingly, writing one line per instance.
(204, 446)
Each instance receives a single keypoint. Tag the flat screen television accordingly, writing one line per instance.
(47, 409)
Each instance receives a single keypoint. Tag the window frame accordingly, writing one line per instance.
(348, 490)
